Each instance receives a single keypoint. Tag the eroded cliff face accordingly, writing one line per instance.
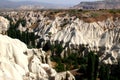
(4, 25)
(99, 35)
(17, 62)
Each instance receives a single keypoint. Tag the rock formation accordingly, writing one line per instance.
(17, 62)
(101, 36)
(4, 25)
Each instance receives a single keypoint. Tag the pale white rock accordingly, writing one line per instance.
(64, 75)
(4, 25)
(96, 35)
(103, 37)
(12, 50)
(21, 28)
(99, 36)
(8, 72)
(51, 72)
(17, 62)
(35, 67)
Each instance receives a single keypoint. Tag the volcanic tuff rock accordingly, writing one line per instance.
(101, 36)
(4, 25)
(17, 62)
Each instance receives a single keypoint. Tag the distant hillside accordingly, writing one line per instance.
(26, 5)
(7, 4)
(106, 4)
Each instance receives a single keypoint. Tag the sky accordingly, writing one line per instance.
(72, 2)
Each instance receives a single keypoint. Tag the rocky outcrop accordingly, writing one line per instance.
(17, 62)
(101, 36)
(11, 53)
(64, 75)
(98, 36)
(4, 25)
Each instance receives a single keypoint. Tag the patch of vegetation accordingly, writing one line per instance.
(88, 66)
(22, 21)
(93, 70)
(68, 63)
(94, 15)
(114, 11)
(26, 37)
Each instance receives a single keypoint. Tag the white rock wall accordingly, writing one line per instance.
(17, 62)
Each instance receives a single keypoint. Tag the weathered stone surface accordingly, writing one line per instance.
(17, 62)
(4, 25)
(103, 36)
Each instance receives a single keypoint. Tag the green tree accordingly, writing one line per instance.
(24, 37)
(96, 66)
(47, 46)
(104, 72)
(59, 49)
(18, 34)
(90, 67)
(32, 39)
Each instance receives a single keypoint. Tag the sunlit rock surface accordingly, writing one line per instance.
(4, 25)
(17, 62)
(101, 36)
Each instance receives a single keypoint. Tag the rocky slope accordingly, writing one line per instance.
(101, 36)
(4, 25)
(101, 4)
(17, 62)
(96, 32)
